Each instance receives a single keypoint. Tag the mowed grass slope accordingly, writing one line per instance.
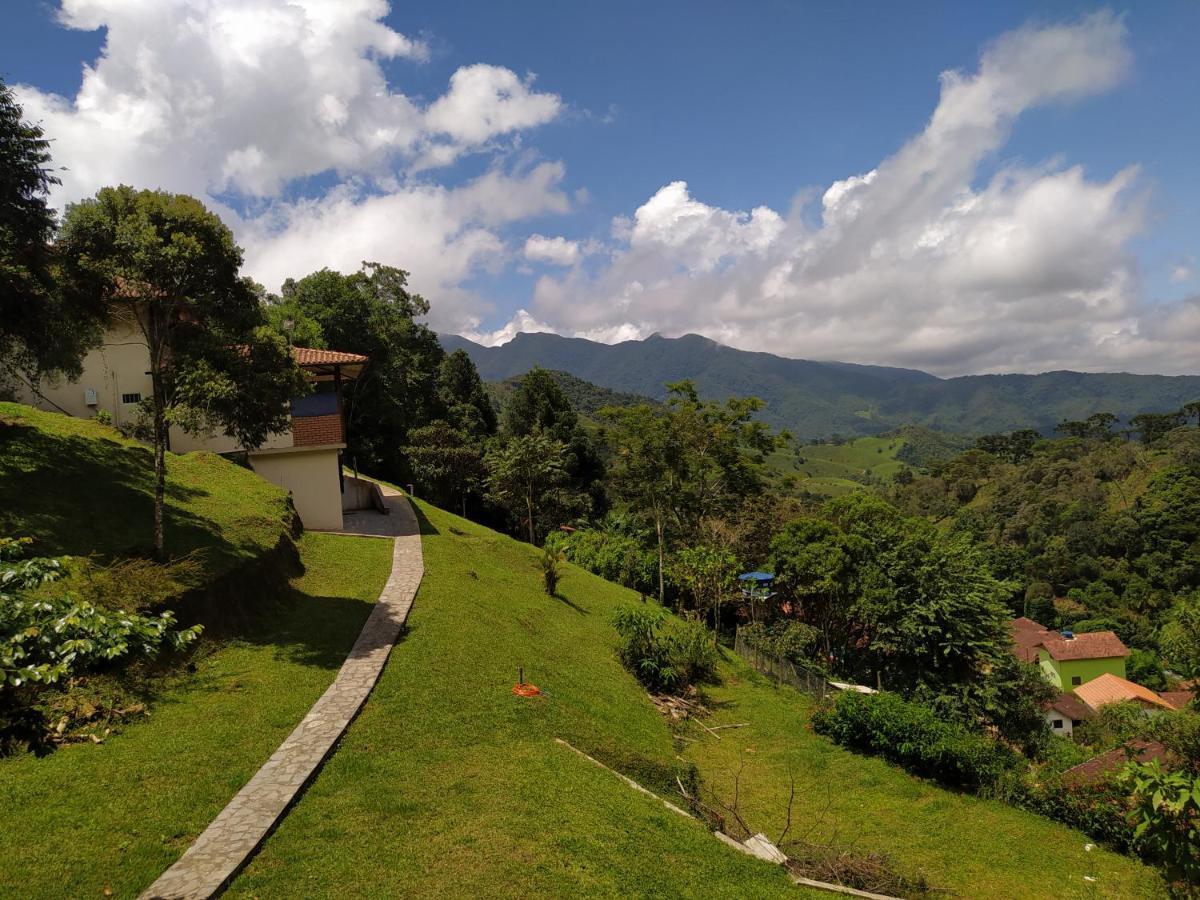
(448, 785)
(77, 487)
(962, 844)
(90, 818)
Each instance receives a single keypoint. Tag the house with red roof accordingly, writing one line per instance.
(304, 459)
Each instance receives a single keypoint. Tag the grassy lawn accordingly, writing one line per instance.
(968, 846)
(116, 815)
(448, 785)
(61, 476)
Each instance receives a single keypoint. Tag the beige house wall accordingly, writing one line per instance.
(119, 366)
(312, 476)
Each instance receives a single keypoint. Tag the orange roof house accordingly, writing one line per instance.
(1108, 688)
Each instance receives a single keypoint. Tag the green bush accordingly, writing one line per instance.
(912, 735)
(1166, 817)
(49, 634)
(551, 573)
(612, 553)
(664, 653)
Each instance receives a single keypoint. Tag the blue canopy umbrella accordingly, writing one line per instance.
(756, 589)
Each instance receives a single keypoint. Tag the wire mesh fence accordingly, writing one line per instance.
(783, 671)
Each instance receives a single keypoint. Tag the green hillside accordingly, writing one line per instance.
(479, 800)
(78, 487)
(586, 398)
(448, 784)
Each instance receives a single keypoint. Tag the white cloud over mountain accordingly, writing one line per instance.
(915, 262)
(920, 261)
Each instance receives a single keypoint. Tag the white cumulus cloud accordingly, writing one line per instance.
(236, 101)
(914, 262)
(555, 250)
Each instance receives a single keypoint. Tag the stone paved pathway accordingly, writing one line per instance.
(227, 843)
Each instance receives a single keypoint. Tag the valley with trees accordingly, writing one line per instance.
(651, 531)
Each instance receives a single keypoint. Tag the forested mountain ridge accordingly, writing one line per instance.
(585, 398)
(818, 399)
(1090, 534)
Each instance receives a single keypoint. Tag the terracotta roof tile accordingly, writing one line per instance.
(307, 356)
(1178, 699)
(1071, 707)
(1114, 760)
(1109, 688)
(1027, 634)
(1089, 645)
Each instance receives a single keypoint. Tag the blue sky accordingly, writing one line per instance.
(752, 105)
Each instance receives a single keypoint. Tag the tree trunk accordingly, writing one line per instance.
(529, 511)
(160, 460)
(662, 591)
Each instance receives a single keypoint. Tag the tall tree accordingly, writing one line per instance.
(47, 324)
(447, 463)
(539, 403)
(372, 312)
(692, 459)
(523, 473)
(169, 267)
(463, 397)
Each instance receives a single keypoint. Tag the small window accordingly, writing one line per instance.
(131, 398)
(1058, 723)
(1076, 680)
(1075, 723)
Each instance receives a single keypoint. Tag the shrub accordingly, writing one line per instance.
(1166, 816)
(662, 652)
(49, 634)
(611, 553)
(796, 642)
(551, 573)
(911, 734)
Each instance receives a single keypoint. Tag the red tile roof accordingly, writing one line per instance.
(1178, 699)
(1027, 634)
(1089, 645)
(1114, 760)
(1071, 707)
(1109, 688)
(307, 356)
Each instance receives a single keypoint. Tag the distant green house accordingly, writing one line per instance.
(1070, 660)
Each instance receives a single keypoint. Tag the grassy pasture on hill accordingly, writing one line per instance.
(77, 487)
(447, 784)
(835, 469)
(115, 815)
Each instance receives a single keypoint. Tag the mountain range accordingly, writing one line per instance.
(820, 399)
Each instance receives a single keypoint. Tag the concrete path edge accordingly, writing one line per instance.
(232, 838)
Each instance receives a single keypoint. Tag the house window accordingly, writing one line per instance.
(1058, 723)
(1075, 723)
(131, 398)
(1076, 679)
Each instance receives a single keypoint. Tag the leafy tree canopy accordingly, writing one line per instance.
(46, 323)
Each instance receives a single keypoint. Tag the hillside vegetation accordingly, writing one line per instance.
(585, 398)
(78, 487)
(447, 782)
(819, 399)
(90, 819)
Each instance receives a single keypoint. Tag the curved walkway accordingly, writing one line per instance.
(237, 831)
